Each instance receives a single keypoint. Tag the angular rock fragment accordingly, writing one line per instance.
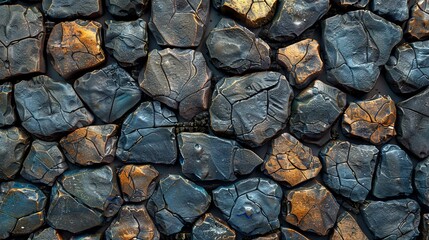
(356, 44)
(127, 8)
(352, 3)
(179, 78)
(211, 227)
(22, 36)
(176, 202)
(259, 104)
(127, 41)
(15, 143)
(421, 181)
(7, 111)
(49, 107)
(315, 109)
(270, 236)
(65, 9)
(75, 47)
(88, 236)
(348, 168)
(290, 161)
(46, 234)
(394, 10)
(311, 208)
(251, 206)
(425, 226)
(206, 157)
(290, 234)
(393, 219)
(147, 135)
(235, 49)
(302, 62)
(137, 182)
(347, 228)
(417, 25)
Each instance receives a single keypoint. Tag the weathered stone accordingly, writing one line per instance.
(394, 10)
(137, 182)
(356, 44)
(127, 8)
(417, 26)
(235, 49)
(88, 236)
(302, 62)
(421, 181)
(179, 78)
(252, 205)
(75, 47)
(65, 9)
(15, 143)
(49, 107)
(7, 111)
(211, 227)
(46, 234)
(259, 104)
(424, 229)
(291, 162)
(352, 3)
(206, 157)
(270, 236)
(347, 228)
(290, 234)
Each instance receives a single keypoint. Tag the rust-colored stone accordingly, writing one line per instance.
(347, 228)
(418, 24)
(137, 182)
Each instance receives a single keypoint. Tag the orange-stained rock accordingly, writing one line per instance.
(347, 229)
(418, 24)
(137, 182)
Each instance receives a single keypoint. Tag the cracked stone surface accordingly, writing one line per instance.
(7, 110)
(290, 234)
(356, 44)
(425, 226)
(270, 236)
(211, 227)
(86, 194)
(407, 70)
(148, 135)
(127, 8)
(418, 21)
(137, 182)
(421, 181)
(306, 208)
(251, 206)
(235, 49)
(179, 23)
(12, 156)
(291, 162)
(46, 234)
(75, 47)
(22, 208)
(176, 202)
(65, 9)
(44, 163)
(394, 10)
(347, 228)
(259, 103)
(348, 168)
(179, 78)
(393, 219)
(49, 107)
(302, 62)
(22, 35)
(202, 154)
(411, 113)
(352, 3)
(127, 41)
(132, 222)
(315, 110)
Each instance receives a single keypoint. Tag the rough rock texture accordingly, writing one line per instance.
(290, 234)
(177, 201)
(356, 44)
(352, 3)
(48, 107)
(270, 236)
(65, 9)
(46, 234)
(235, 49)
(259, 104)
(88, 236)
(206, 157)
(7, 110)
(251, 206)
(347, 229)
(179, 78)
(421, 181)
(424, 226)
(394, 10)
(15, 143)
(417, 26)
(211, 227)
(137, 182)
(127, 8)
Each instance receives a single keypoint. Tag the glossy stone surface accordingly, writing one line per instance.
(290, 234)
(356, 44)
(88, 236)
(7, 110)
(75, 47)
(259, 104)
(46, 234)
(352, 3)
(211, 227)
(235, 49)
(270, 236)
(251, 206)
(177, 201)
(207, 157)
(419, 20)
(137, 182)
(347, 228)
(127, 8)
(65, 9)
(12, 156)
(48, 107)
(302, 62)
(21, 41)
(421, 181)
(394, 10)
(179, 78)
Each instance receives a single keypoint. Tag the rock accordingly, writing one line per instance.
(421, 181)
(44, 163)
(49, 107)
(75, 47)
(46, 234)
(22, 36)
(315, 110)
(394, 10)
(270, 236)
(425, 226)
(302, 62)
(356, 44)
(290, 234)
(347, 228)
(251, 206)
(417, 23)
(211, 227)
(88, 236)
(307, 208)
(352, 3)
(407, 70)
(64, 9)
(15, 143)
(91, 145)
(411, 113)
(137, 182)
(393, 219)
(147, 135)
(290, 161)
(7, 110)
(235, 49)
(393, 174)
(127, 41)
(176, 202)
(22, 208)
(132, 222)
(179, 78)
(348, 168)
(127, 8)
(179, 23)
(259, 104)
(206, 157)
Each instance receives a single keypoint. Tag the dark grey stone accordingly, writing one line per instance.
(394, 10)
(7, 110)
(425, 226)
(290, 234)
(127, 8)
(421, 181)
(66, 9)
(352, 3)
(46, 234)
(14, 142)
(211, 227)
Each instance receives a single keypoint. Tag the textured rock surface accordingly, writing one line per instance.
(211, 227)
(137, 182)
(7, 110)
(65, 9)
(352, 3)
(12, 156)
(425, 226)
(290, 234)
(270, 236)
(419, 20)
(421, 181)
(347, 228)
(46, 234)
(127, 8)
(394, 10)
